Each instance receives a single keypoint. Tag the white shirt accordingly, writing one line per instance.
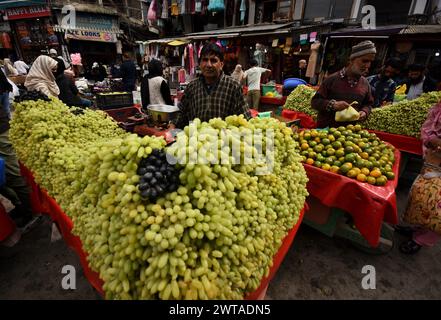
(253, 75)
(22, 68)
(415, 90)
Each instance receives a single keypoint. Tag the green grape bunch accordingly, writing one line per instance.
(300, 100)
(214, 237)
(405, 117)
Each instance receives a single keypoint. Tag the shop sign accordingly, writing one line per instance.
(90, 35)
(27, 12)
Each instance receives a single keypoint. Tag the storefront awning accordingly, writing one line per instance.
(244, 31)
(421, 29)
(381, 31)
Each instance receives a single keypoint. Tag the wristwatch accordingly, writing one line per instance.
(330, 106)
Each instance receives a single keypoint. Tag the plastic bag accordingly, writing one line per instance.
(401, 89)
(348, 114)
(216, 6)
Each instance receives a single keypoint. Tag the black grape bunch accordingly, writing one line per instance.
(31, 95)
(157, 176)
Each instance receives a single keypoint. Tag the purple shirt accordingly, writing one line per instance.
(432, 126)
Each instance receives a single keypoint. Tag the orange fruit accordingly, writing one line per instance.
(364, 155)
(326, 167)
(390, 175)
(365, 171)
(361, 177)
(381, 181)
(346, 167)
(310, 161)
(304, 146)
(351, 173)
(371, 180)
(357, 170)
(334, 169)
(376, 173)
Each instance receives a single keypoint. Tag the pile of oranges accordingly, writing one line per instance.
(349, 151)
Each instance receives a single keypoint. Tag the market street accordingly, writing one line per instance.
(316, 267)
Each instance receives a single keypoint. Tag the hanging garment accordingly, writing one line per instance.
(181, 75)
(198, 6)
(151, 15)
(312, 64)
(191, 59)
(243, 8)
(216, 5)
(182, 11)
(164, 14)
(174, 9)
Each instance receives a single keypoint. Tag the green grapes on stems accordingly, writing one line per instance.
(405, 117)
(213, 238)
(300, 100)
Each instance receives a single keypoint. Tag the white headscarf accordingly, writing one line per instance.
(238, 73)
(9, 68)
(41, 78)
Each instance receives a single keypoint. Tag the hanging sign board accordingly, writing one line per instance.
(90, 35)
(27, 12)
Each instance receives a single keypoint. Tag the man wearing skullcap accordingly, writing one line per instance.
(342, 88)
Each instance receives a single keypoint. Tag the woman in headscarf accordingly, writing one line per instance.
(41, 76)
(154, 88)
(238, 73)
(9, 68)
(424, 206)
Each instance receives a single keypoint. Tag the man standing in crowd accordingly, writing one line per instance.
(300, 73)
(253, 76)
(212, 95)
(128, 73)
(21, 66)
(418, 83)
(342, 88)
(383, 86)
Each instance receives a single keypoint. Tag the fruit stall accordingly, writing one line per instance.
(398, 124)
(352, 170)
(149, 225)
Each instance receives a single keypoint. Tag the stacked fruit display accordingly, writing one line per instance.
(300, 100)
(214, 237)
(404, 117)
(349, 151)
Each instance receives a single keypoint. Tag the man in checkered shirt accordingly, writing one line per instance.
(214, 94)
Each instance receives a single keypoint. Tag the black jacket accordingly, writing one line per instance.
(68, 91)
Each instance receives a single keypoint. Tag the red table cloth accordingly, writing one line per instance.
(368, 205)
(402, 143)
(306, 121)
(50, 206)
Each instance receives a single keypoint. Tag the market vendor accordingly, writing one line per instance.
(213, 94)
(342, 88)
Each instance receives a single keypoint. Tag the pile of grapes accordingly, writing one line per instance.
(404, 117)
(300, 100)
(157, 176)
(214, 237)
(31, 95)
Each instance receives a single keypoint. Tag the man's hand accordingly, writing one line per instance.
(363, 115)
(340, 105)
